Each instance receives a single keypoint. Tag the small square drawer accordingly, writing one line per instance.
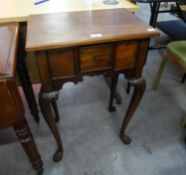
(126, 53)
(61, 62)
(94, 58)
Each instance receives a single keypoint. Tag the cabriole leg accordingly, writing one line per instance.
(139, 88)
(44, 101)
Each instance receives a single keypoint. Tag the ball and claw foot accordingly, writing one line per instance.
(126, 139)
(112, 108)
(58, 155)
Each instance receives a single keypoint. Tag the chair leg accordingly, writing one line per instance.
(183, 78)
(160, 71)
(25, 137)
(184, 122)
(45, 106)
(128, 88)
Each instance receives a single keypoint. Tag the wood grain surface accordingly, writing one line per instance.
(82, 28)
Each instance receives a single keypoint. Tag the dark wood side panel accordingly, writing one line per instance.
(141, 58)
(61, 62)
(126, 53)
(44, 73)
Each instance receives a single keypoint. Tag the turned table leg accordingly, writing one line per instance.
(139, 88)
(45, 105)
(27, 141)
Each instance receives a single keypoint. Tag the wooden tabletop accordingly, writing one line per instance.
(19, 10)
(81, 28)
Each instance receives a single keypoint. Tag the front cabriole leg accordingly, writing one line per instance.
(139, 88)
(45, 105)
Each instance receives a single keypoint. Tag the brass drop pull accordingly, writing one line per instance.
(97, 59)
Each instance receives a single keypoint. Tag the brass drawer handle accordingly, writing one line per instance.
(97, 59)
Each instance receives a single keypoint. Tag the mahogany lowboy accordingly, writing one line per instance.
(70, 45)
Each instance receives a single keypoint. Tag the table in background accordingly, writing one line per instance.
(19, 10)
(173, 28)
(155, 6)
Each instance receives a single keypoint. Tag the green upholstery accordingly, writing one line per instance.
(176, 53)
(178, 49)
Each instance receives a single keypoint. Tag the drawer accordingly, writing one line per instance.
(126, 53)
(94, 58)
(61, 62)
